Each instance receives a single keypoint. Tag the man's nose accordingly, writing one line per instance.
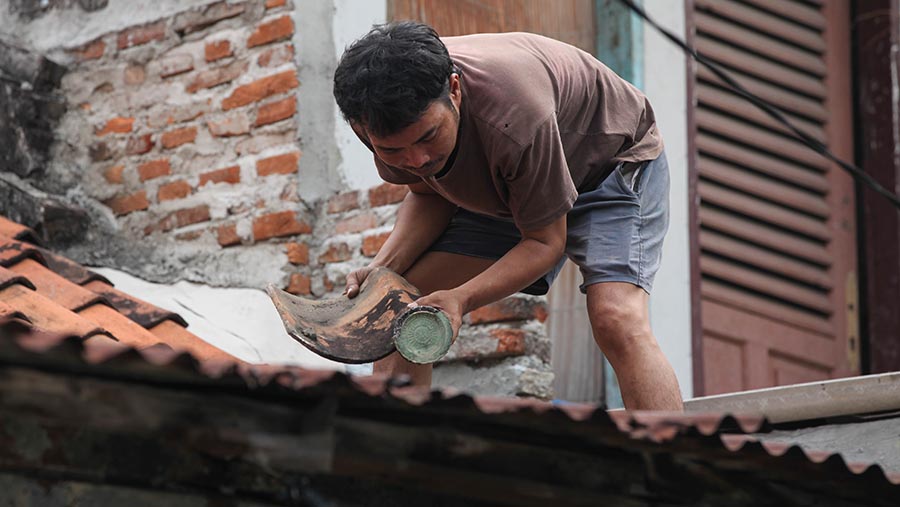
(418, 158)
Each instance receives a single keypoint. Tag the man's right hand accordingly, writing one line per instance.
(355, 280)
(422, 217)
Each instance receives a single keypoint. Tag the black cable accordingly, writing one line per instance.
(767, 108)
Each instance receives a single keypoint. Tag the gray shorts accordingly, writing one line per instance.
(615, 232)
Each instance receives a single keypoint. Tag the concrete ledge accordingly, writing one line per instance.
(814, 400)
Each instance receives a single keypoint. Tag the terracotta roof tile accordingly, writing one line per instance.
(15, 230)
(8, 278)
(9, 312)
(47, 315)
(142, 312)
(52, 286)
(60, 296)
(70, 270)
(119, 326)
(12, 251)
(180, 338)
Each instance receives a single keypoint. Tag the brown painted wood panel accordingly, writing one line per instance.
(776, 235)
(877, 34)
(570, 21)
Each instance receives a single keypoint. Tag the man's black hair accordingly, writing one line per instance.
(387, 79)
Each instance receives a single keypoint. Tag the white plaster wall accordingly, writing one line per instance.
(242, 322)
(352, 20)
(665, 76)
(74, 26)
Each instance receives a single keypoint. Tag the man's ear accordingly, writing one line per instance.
(455, 89)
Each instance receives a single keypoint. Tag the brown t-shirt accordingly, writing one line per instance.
(540, 120)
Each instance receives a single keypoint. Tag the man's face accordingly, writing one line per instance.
(423, 148)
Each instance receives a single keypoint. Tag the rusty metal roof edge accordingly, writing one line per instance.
(810, 401)
(743, 443)
(652, 428)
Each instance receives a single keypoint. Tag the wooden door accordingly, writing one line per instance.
(776, 220)
(570, 21)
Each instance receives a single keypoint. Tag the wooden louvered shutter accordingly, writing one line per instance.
(776, 222)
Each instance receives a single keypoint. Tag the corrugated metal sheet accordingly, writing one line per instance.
(165, 422)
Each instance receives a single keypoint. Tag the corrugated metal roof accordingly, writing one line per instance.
(724, 443)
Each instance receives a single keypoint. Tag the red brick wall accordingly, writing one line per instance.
(192, 125)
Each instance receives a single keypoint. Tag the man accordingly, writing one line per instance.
(518, 150)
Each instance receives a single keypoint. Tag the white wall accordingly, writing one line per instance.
(665, 76)
(352, 20)
(73, 26)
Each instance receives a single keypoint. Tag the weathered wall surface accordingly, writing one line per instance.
(202, 141)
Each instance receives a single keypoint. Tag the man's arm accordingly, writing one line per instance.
(535, 255)
(422, 217)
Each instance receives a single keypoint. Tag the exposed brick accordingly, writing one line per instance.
(189, 236)
(174, 64)
(276, 111)
(509, 341)
(260, 89)
(175, 190)
(271, 31)
(227, 235)
(117, 126)
(336, 252)
(134, 75)
(183, 218)
(140, 35)
(125, 204)
(359, 223)
(343, 202)
(387, 193)
(298, 253)
(177, 137)
(100, 151)
(169, 115)
(139, 145)
(154, 169)
(198, 19)
(274, 57)
(271, 4)
(261, 142)
(299, 285)
(509, 309)
(496, 343)
(228, 175)
(279, 164)
(232, 125)
(372, 244)
(114, 174)
(90, 51)
(217, 76)
(327, 283)
(216, 50)
(274, 225)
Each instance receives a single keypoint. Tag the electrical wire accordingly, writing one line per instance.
(811, 142)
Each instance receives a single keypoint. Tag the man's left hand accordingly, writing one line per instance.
(448, 301)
